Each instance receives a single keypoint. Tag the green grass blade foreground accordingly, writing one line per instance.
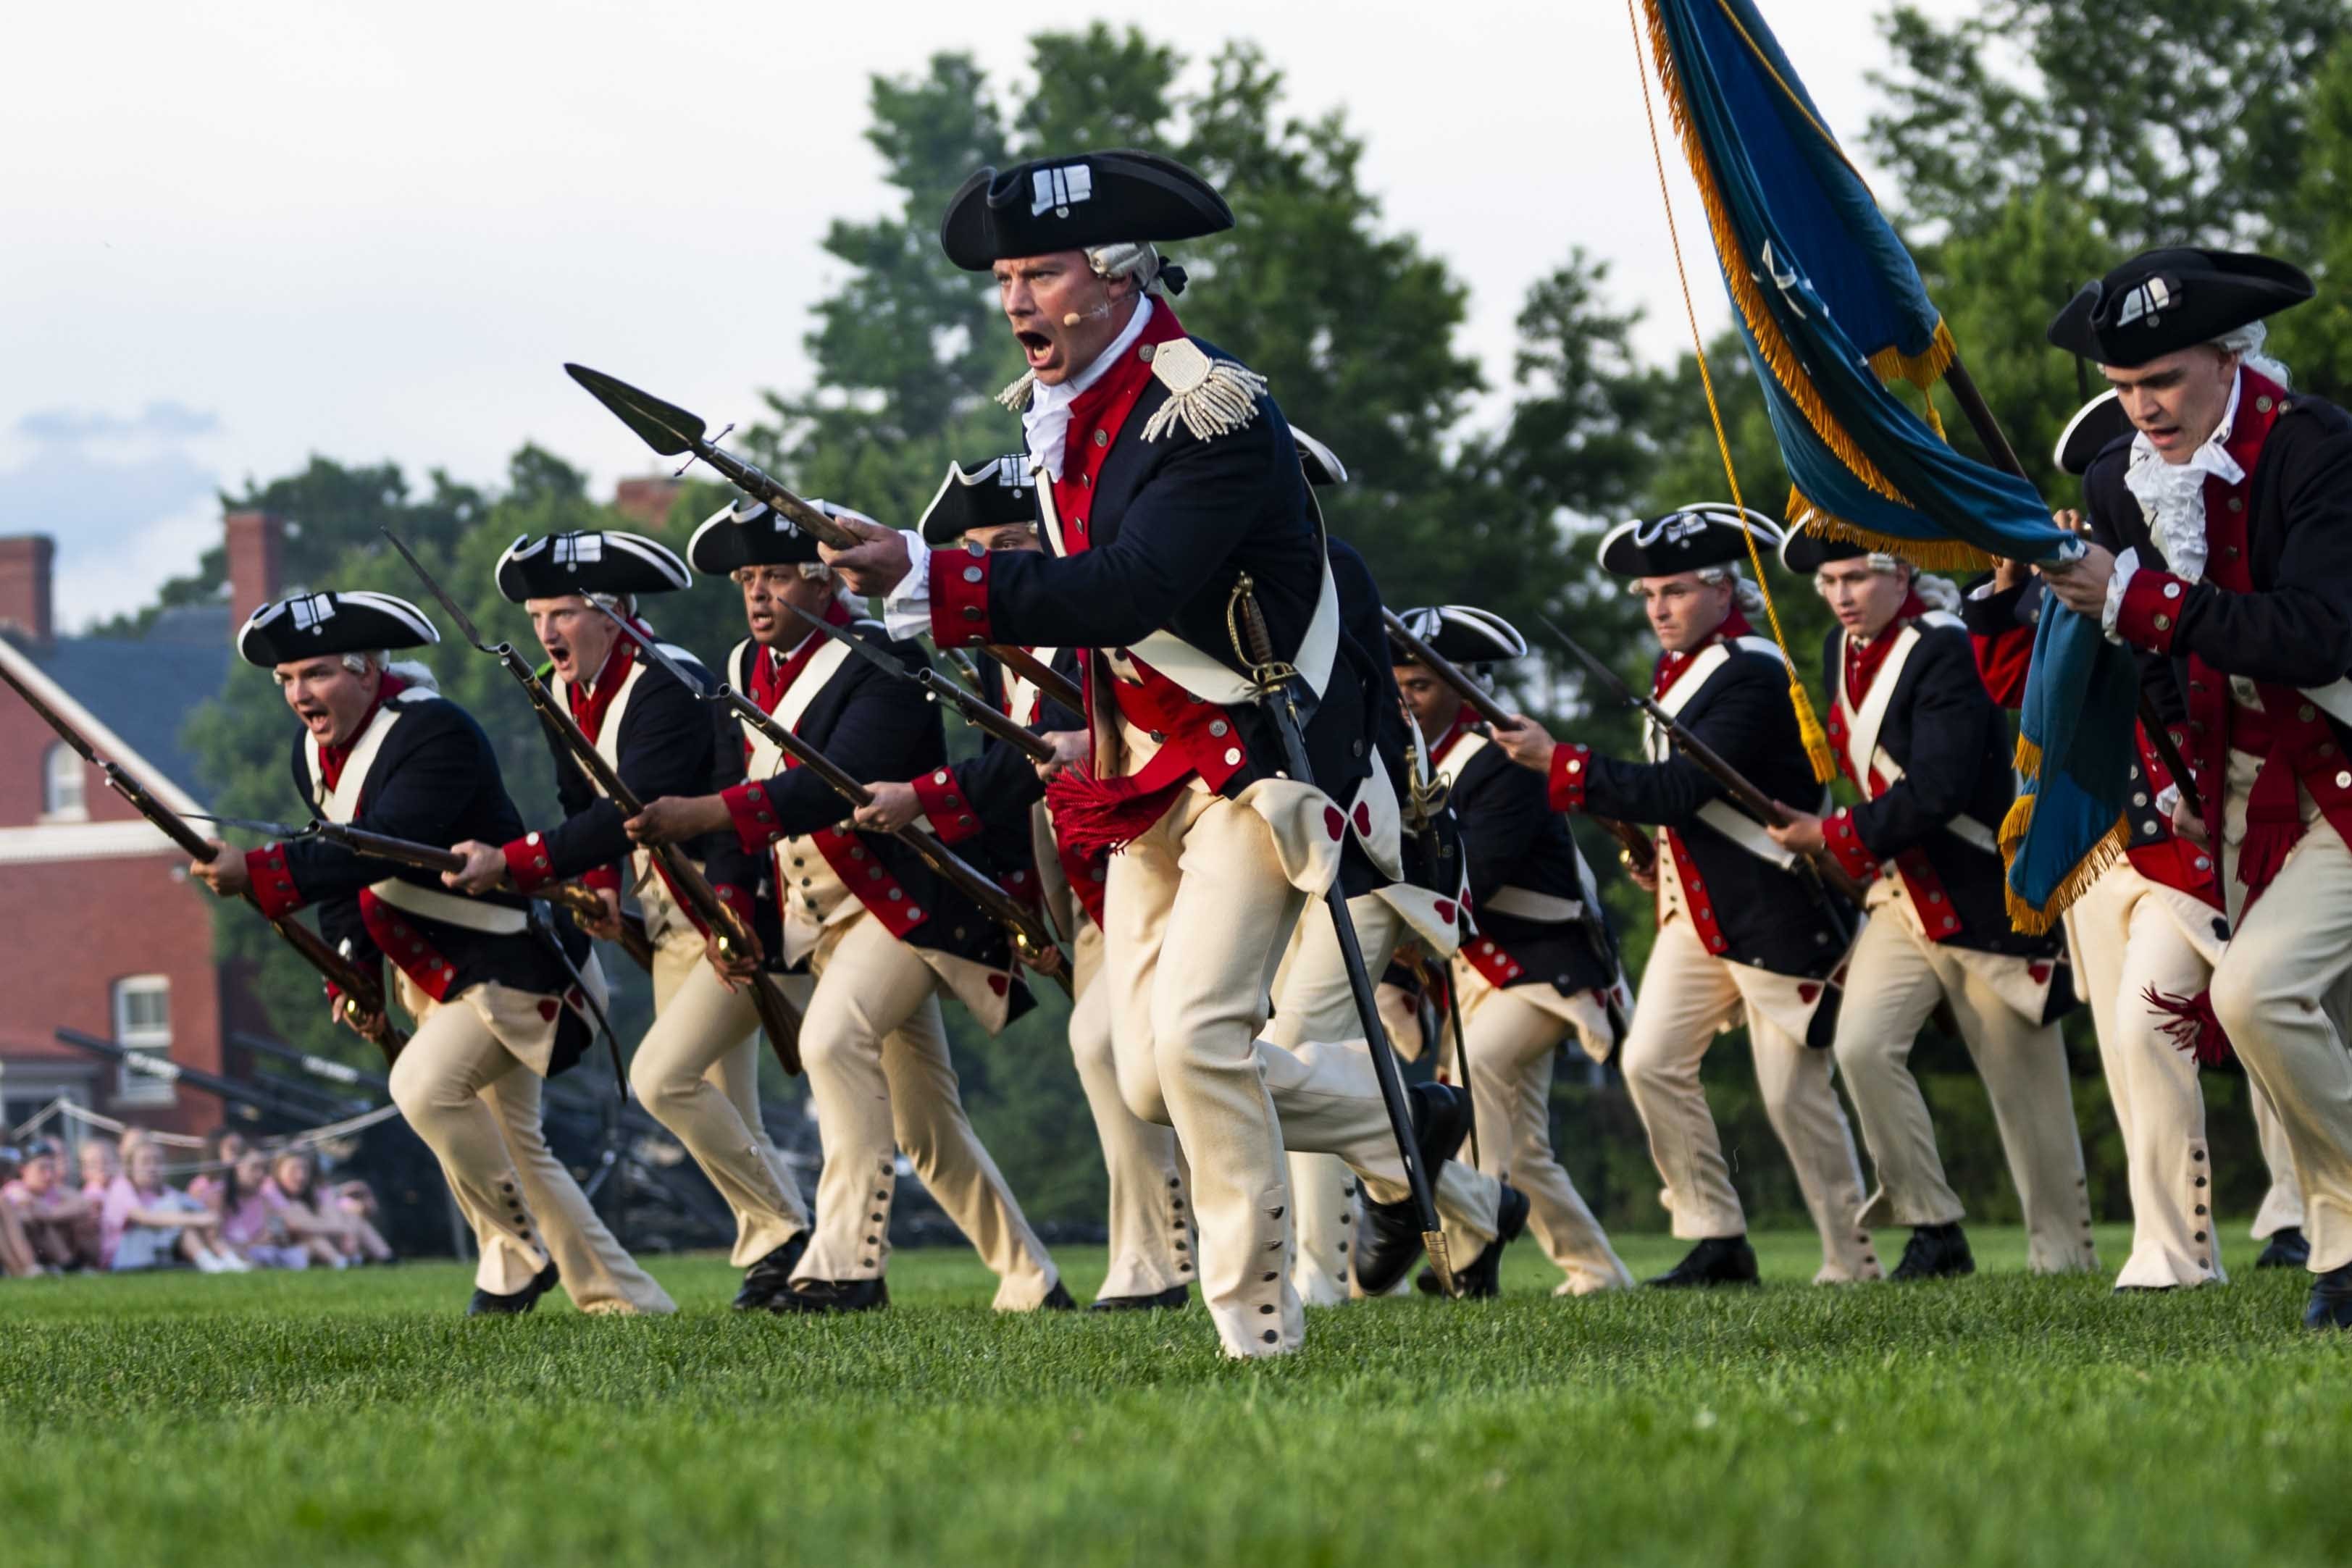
(356, 1417)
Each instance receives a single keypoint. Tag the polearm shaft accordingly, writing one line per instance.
(363, 994)
(777, 1019)
(2004, 457)
(1640, 852)
(973, 708)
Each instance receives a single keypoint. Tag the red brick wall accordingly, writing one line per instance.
(24, 562)
(24, 743)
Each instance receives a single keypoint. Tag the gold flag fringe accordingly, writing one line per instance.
(1922, 370)
(1928, 555)
(2111, 846)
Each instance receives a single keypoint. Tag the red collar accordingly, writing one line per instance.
(1097, 416)
(588, 707)
(772, 677)
(1133, 370)
(1464, 721)
(332, 757)
(2260, 402)
(1863, 659)
(1671, 665)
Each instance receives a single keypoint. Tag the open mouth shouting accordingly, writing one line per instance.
(1038, 348)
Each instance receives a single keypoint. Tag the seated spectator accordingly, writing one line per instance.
(223, 1147)
(17, 1260)
(59, 1223)
(252, 1225)
(100, 1163)
(336, 1237)
(146, 1223)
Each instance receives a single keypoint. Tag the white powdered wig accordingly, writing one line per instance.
(1937, 593)
(2246, 342)
(1129, 258)
(409, 670)
(1744, 593)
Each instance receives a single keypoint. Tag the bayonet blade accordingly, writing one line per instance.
(664, 426)
(465, 622)
(255, 825)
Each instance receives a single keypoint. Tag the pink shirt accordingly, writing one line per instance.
(249, 1221)
(114, 1218)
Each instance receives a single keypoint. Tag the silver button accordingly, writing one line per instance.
(1102, 438)
(1218, 727)
(1144, 353)
(1234, 757)
(2236, 505)
(2172, 590)
(2163, 622)
(972, 574)
(2139, 799)
(2344, 780)
(2263, 404)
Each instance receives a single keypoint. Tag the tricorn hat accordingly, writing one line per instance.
(1077, 203)
(999, 491)
(1321, 464)
(1806, 553)
(2096, 423)
(1464, 634)
(588, 560)
(2161, 301)
(749, 533)
(1685, 539)
(307, 625)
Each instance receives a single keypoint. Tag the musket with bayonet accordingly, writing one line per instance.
(1031, 940)
(675, 432)
(778, 1020)
(1745, 794)
(1634, 846)
(362, 994)
(975, 709)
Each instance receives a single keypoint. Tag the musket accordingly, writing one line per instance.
(673, 432)
(1031, 940)
(1639, 853)
(363, 994)
(1277, 684)
(975, 709)
(777, 1017)
(1744, 794)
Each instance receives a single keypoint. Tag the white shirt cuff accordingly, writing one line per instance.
(2126, 564)
(907, 608)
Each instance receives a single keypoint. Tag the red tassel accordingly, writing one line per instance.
(2264, 852)
(1097, 816)
(2195, 1027)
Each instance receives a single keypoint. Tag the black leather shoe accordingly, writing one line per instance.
(1058, 1300)
(1716, 1260)
(1392, 1239)
(1934, 1253)
(486, 1304)
(769, 1277)
(2288, 1249)
(1483, 1279)
(2330, 1306)
(1172, 1299)
(832, 1296)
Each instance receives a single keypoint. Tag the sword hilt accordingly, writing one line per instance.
(1246, 624)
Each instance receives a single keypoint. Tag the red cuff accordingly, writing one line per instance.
(2150, 616)
(1571, 768)
(1837, 831)
(602, 879)
(952, 817)
(273, 885)
(959, 598)
(527, 866)
(754, 818)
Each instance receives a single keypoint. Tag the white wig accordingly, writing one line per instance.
(2246, 342)
(1744, 593)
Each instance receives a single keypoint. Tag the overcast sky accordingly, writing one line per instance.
(232, 236)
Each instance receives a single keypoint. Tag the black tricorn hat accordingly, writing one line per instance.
(1000, 491)
(1464, 634)
(1685, 539)
(1076, 203)
(2096, 423)
(589, 560)
(2161, 301)
(1806, 553)
(749, 533)
(1322, 465)
(306, 625)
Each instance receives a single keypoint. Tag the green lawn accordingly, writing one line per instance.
(302, 1419)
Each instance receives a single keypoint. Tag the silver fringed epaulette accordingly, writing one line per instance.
(1016, 396)
(1212, 397)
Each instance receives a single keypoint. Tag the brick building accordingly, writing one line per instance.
(99, 929)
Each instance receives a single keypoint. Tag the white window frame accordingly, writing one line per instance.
(134, 1087)
(65, 788)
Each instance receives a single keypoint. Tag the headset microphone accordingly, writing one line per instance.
(1075, 317)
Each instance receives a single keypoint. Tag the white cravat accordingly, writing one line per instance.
(907, 608)
(2171, 496)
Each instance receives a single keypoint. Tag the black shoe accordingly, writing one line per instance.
(2330, 1306)
(486, 1304)
(769, 1277)
(1483, 1279)
(1172, 1299)
(2288, 1249)
(1440, 1120)
(1058, 1300)
(1716, 1260)
(1934, 1253)
(831, 1296)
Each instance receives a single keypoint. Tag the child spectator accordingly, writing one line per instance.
(146, 1223)
(17, 1260)
(58, 1223)
(99, 1165)
(223, 1147)
(336, 1237)
(252, 1225)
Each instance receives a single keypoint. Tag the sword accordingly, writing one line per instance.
(674, 432)
(974, 709)
(1031, 940)
(1277, 684)
(778, 1020)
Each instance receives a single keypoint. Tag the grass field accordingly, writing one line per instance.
(304, 1419)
